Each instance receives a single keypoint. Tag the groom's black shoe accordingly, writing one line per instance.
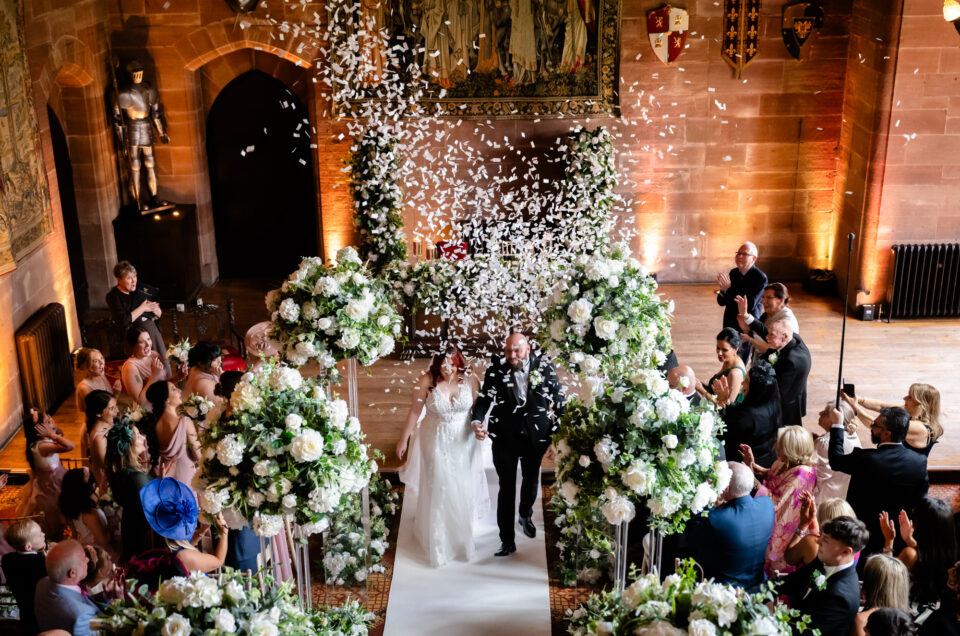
(505, 550)
(528, 528)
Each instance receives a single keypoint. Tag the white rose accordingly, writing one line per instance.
(670, 441)
(584, 461)
(557, 328)
(225, 622)
(324, 323)
(293, 422)
(590, 365)
(327, 286)
(580, 311)
(703, 498)
(701, 627)
(349, 339)
(255, 499)
(764, 626)
(724, 473)
(176, 625)
(263, 467)
(357, 310)
(307, 446)
(309, 310)
(569, 490)
(604, 328)
(613, 282)
(289, 501)
(631, 595)
(348, 255)
(638, 477)
(289, 310)
(235, 591)
(618, 509)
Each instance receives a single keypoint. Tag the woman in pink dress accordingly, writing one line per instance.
(92, 363)
(101, 409)
(206, 365)
(176, 435)
(45, 442)
(143, 368)
(793, 473)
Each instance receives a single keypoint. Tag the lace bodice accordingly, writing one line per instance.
(444, 407)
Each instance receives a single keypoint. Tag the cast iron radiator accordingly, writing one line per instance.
(925, 281)
(43, 352)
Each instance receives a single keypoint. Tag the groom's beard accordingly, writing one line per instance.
(516, 364)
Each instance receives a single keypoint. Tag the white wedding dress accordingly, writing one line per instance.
(451, 486)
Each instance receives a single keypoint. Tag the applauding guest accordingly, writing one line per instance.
(790, 475)
(142, 368)
(827, 589)
(731, 367)
(101, 410)
(774, 300)
(745, 280)
(922, 403)
(756, 420)
(888, 478)
(806, 538)
(791, 360)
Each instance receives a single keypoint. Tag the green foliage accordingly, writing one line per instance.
(378, 198)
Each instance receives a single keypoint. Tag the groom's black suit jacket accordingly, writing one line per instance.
(536, 418)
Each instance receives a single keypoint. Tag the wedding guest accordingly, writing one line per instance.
(730, 542)
(930, 547)
(792, 473)
(45, 442)
(922, 403)
(745, 280)
(774, 301)
(143, 367)
(827, 589)
(756, 420)
(888, 621)
(101, 411)
(60, 602)
(24, 567)
(791, 360)
(682, 378)
(831, 483)
(79, 504)
(132, 307)
(170, 508)
(886, 583)
(93, 364)
(127, 475)
(806, 538)
(945, 620)
(888, 478)
(177, 445)
(206, 365)
(731, 367)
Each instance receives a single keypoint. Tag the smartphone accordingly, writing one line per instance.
(849, 389)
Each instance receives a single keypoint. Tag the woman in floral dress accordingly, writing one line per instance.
(794, 472)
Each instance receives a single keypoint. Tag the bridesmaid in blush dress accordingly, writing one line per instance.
(206, 365)
(101, 410)
(92, 363)
(143, 368)
(45, 442)
(176, 434)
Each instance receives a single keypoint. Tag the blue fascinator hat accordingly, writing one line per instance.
(170, 508)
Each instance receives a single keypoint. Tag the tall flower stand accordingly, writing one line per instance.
(653, 553)
(289, 550)
(620, 556)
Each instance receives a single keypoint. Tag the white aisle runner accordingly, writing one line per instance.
(488, 596)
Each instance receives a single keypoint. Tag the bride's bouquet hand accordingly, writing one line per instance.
(402, 448)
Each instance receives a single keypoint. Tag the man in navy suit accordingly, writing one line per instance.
(59, 601)
(731, 541)
(745, 280)
(527, 401)
(827, 588)
(887, 478)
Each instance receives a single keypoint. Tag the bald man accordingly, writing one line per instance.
(745, 280)
(59, 602)
(523, 398)
(791, 361)
(683, 379)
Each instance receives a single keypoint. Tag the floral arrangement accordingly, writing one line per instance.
(328, 313)
(640, 442)
(586, 542)
(196, 407)
(605, 317)
(587, 194)
(344, 550)
(179, 353)
(231, 603)
(287, 450)
(377, 196)
(435, 286)
(682, 606)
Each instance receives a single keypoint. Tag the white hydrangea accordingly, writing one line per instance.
(590, 365)
(704, 497)
(212, 500)
(230, 450)
(285, 378)
(558, 330)
(606, 451)
(638, 477)
(724, 474)
(348, 255)
(327, 286)
(337, 412)
(267, 525)
(668, 410)
(289, 309)
(309, 311)
(666, 503)
(349, 339)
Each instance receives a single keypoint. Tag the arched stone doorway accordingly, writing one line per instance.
(262, 181)
(71, 218)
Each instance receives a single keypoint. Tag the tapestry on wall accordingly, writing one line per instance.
(511, 58)
(24, 198)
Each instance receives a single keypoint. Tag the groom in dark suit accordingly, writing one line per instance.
(527, 400)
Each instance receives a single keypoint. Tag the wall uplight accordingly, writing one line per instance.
(951, 13)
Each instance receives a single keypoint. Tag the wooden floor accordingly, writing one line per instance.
(881, 359)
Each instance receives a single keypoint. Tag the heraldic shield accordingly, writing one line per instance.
(799, 21)
(668, 28)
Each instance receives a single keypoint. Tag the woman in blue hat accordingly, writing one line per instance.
(170, 508)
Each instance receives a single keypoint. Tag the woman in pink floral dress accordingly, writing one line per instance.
(793, 473)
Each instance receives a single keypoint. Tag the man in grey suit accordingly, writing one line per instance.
(60, 602)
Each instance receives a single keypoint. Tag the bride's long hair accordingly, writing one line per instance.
(456, 356)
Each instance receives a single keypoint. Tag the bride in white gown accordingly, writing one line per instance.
(450, 484)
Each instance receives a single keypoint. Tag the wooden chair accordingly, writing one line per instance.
(216, 323)
(75, 462)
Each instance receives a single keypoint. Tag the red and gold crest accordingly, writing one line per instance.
(667, 27)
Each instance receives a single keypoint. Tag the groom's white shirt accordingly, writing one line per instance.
(520, 377)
